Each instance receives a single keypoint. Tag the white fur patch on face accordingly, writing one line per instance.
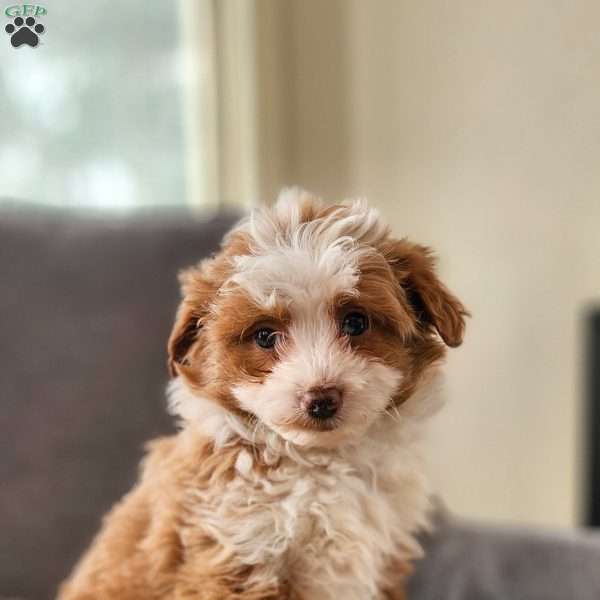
(318, 357)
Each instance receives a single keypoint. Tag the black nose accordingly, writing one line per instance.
(322, 403)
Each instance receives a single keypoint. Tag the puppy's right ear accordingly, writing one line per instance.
(197, 292)
(183, 335)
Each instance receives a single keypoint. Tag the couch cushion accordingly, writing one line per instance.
(467, 561)
(86, 305)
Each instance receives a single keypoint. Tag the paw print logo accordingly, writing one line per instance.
(24, 32)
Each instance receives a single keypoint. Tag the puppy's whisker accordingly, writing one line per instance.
(392, 411)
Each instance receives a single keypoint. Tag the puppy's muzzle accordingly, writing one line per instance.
(321, 403)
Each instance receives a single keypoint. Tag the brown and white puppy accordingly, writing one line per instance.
(305, 363)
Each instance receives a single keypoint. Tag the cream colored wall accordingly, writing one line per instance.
(475, 126)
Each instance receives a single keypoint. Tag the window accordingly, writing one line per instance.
(99, 113)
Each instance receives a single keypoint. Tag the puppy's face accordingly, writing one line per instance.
(312, 321)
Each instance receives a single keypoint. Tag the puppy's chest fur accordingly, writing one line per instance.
(328, 525)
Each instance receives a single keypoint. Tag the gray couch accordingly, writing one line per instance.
(86, 304)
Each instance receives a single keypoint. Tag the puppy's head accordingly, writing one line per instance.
(312, 320)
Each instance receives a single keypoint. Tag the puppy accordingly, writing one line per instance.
(305, 359)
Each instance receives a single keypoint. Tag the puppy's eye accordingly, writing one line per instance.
(265, 337)
(355, 323)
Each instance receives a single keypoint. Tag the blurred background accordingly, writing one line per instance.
(474, 127)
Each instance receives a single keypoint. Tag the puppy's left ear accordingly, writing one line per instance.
(434, 306)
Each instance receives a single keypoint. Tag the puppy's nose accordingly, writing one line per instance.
(322, 403)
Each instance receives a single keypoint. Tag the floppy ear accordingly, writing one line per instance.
(183, 335)
(435, 307)
(197, 292)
